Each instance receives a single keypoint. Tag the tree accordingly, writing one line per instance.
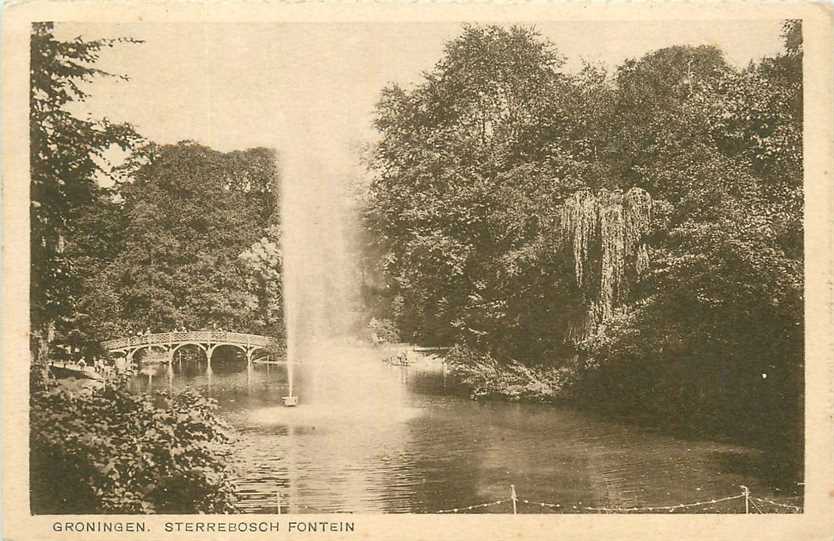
(263, 263)
(191, 213)
(452, 149)
(66, 154)
(758, 114)
(652, 95)
(97, 240)
(641, 233)
(717, 339)
(475, 167)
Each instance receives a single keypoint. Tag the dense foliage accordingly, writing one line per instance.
(512, 200)
(67, 154)
(200, 243)
(191, 241)
(112, 451)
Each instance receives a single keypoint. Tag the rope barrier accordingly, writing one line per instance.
(654, 508)
(542, 504)
(470, 507)
(795, 508)
(756, 506)
(663, 507)
(753, 500)
(599, 509)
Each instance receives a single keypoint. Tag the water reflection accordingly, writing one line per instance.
(374, 438)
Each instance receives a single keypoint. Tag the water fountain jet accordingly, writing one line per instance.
(318, 277)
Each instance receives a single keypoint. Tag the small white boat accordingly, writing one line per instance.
(290, 401)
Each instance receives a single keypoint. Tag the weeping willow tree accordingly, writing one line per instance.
(604, 235)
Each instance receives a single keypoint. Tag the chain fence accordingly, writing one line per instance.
(472, 507)
(775, 507)
(751, 505)
(747, 503)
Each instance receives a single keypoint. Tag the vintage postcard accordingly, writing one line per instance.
(417, 271)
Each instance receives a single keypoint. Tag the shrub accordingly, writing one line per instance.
(110, 451)
(487, 377)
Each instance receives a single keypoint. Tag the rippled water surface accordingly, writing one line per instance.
(368, 437)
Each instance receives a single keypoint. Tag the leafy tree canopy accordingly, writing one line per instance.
(511, 202)
(198, 247)
(66, 157)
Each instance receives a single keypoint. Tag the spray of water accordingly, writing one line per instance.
(320, 129)
(319, 285)
(318, 164)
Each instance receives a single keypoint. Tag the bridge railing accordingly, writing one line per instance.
(189, 336)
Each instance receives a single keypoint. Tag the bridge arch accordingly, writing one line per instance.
(130, 353)
(183, 344)
(248, 350)
(207, 341)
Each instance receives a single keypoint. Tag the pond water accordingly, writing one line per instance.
(368, 437)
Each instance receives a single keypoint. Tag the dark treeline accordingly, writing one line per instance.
(634, 236)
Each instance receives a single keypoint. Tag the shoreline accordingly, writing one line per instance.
(489, 381)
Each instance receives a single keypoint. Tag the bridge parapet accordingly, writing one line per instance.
(189, 336)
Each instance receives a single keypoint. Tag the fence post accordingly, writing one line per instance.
(514, 498)
(746, 492)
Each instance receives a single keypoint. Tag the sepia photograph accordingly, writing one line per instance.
(283, 269)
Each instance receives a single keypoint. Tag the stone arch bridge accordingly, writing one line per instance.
(208, 341)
